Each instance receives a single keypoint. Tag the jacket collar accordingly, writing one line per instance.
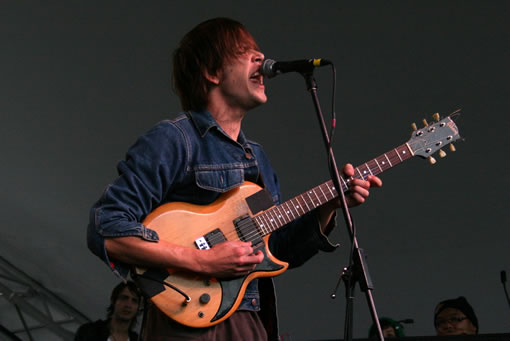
(204, 121)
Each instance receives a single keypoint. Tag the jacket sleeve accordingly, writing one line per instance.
(151, 166)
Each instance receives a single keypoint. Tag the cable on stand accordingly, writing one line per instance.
(357, 270)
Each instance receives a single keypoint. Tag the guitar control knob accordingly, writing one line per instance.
(204, 298)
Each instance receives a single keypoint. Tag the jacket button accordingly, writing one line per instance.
(254, 302)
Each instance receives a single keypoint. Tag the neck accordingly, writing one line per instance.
(228, 119)
(119, 326)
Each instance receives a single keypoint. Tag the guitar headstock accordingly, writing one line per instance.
(433, 137)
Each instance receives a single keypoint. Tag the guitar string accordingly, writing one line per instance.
(273, 217)
(371, 166)
(374, 167)
(251, 234)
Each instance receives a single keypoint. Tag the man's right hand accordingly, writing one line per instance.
(229, 259)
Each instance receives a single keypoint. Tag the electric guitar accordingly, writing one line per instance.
(240, 215)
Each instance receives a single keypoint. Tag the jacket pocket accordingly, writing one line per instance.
(219, 180)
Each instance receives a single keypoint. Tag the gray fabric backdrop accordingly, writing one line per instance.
(80, 81)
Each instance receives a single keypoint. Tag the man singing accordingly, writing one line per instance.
(194, 158)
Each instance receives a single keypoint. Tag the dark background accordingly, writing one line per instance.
(81, 80)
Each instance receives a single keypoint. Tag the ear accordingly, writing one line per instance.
(214, 79)
(471, 327)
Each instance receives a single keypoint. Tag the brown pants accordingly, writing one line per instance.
(242, 326)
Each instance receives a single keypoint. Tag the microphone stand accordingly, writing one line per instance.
(357, 270)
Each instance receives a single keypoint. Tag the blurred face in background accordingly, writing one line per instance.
(452, 321)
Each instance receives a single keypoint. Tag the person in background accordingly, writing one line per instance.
(455, 317)
(389, 327)
(120, 318)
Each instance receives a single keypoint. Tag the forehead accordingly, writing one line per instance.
(127, 293)
(449, 312)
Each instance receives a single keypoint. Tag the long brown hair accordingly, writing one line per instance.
(205, 49)
(133, 288)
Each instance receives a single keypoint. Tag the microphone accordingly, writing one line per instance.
(271, 68)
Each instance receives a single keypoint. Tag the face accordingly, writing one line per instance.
(126, 305)
(452, 321)
(240, 84)
(389, 332)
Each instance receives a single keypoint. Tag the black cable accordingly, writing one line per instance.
(503, 281)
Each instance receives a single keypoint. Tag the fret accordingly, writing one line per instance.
(391, 156)
(274, 216)
(317, 196)
(378, 165)
(375, 167)
(344, 185)
(388, 159)
(281, 217)
(410, 150)
(265, 223)
(323, 194)
(360, 175)
(326, 191)
(272, 219)
(310, 200)
(369, 170)
(305, 204)
(331, 189)
(297, 206)
(406, 151)
(364, 175)
(315, 205)
(398, 154)
(261, 224)
(287, 211)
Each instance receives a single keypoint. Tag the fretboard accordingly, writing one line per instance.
(278, 216)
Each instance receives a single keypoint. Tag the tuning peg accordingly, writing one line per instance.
(436, 116)
(442, 153)
(425, 122)
(452, 147)
(413, 125)
(431, 160)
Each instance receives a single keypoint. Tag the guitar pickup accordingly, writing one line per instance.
(210, 239)
(247, 230)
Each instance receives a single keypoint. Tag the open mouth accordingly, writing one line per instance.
(257, 77)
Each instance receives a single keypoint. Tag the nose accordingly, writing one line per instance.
(257, 57)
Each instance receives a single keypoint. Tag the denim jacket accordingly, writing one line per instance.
(191, 159)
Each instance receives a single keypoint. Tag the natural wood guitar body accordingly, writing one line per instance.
(211, 300)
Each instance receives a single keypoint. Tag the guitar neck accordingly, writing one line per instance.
(278, 216)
